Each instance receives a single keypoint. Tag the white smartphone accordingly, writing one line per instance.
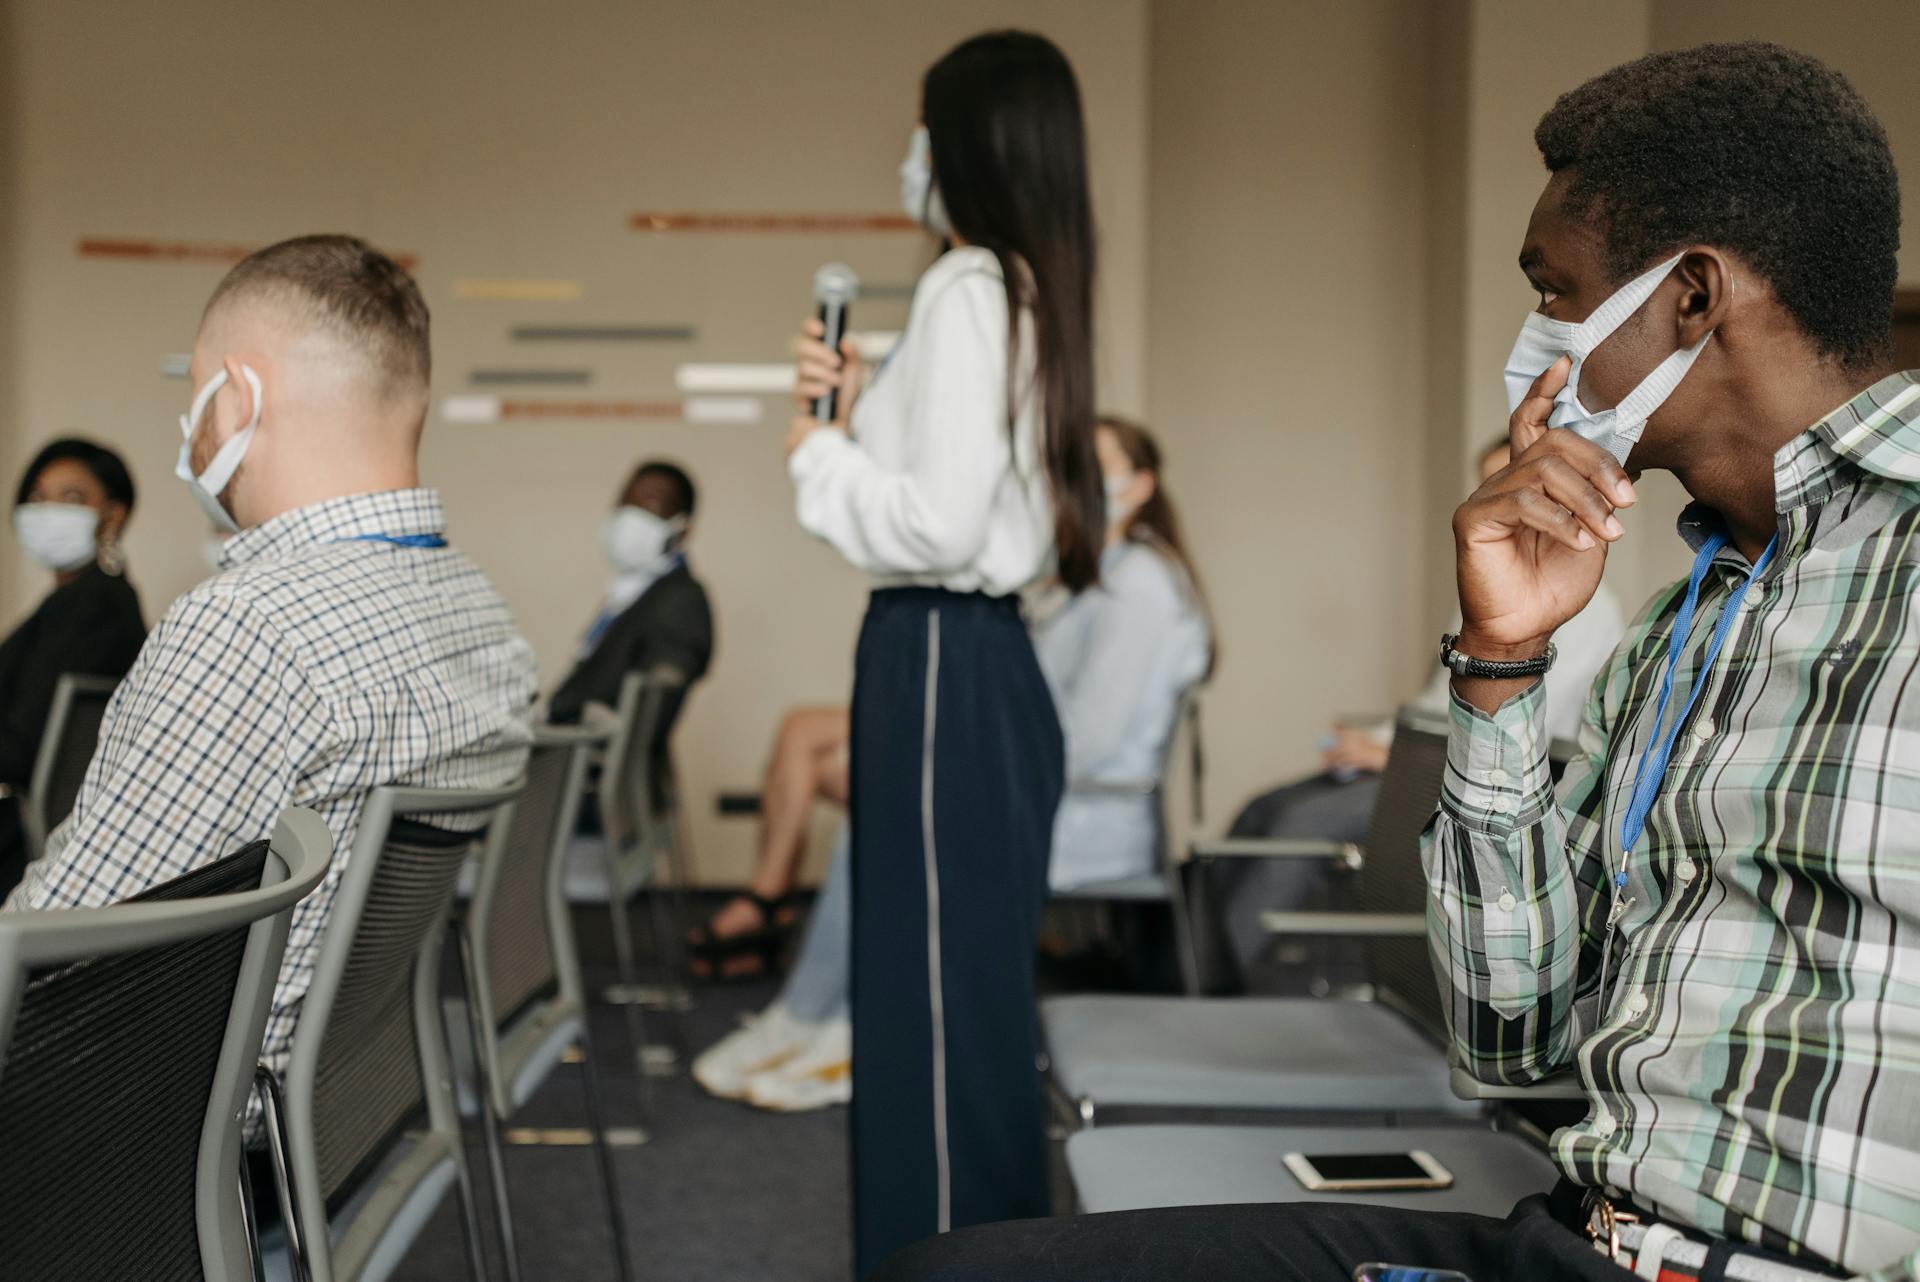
(1367, 1172)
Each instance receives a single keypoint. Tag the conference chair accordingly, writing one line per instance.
(364, 1118)
(638, 797)
(128, 1036)
(1297, 1054)
(66, 750)
(1164, 884)
(525, 1002)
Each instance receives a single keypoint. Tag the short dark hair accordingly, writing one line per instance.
(1753, 148)
(350, 287)
(676, 476)
(107, 468)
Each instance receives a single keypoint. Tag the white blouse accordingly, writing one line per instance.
(931, 488)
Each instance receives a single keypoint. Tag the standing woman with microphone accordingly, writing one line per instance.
(962, 474)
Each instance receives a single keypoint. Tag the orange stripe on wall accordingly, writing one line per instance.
(183, 251)
(777, 223)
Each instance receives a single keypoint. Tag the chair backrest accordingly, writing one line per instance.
(369, 1052)
(649, 705)
(1392, 880)
(66, 750)
(519, 920)
(128, 1036)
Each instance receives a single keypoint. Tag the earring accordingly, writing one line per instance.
(111, 559)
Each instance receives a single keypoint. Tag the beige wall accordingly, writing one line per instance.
(1288, 369)
(514, 140)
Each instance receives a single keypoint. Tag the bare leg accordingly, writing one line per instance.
(809, 761)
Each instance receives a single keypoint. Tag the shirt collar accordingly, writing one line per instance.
(1877, 432)
(341, 520)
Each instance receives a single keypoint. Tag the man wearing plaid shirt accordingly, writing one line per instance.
(1716, 926)
(342, 646)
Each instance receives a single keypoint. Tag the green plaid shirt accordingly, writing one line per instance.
(1755, 1070)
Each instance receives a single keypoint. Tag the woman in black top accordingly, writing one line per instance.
(69, 514)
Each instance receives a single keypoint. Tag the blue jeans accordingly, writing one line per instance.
(817, 989)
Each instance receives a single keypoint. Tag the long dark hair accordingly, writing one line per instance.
(1156, 523)
(1010, 160)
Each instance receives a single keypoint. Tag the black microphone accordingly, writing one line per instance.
(834, 288)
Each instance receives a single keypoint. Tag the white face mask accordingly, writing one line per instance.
(1119, 506)
(918, 196)
(207, 487)
(635, 538)
(1543, 341)
(59, 536)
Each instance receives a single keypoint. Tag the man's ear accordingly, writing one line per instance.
(1706, 293)
(237, 395)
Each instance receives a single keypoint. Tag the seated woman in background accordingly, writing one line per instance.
(1119, 657)
(69, 514)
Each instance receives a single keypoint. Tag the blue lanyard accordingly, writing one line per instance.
(1653, 760)
(402, 540)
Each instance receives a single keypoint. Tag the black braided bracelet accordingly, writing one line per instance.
(1465, 665)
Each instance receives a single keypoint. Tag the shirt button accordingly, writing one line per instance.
(1603, 1124)
(1497, 777)
(1637, 1005)
(1703, 731)
(1687, 869)
(1507, 901)
(1500, 805)
(1756, 594)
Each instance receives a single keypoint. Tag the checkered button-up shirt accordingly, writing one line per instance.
(316, 666)
(1754, 1069)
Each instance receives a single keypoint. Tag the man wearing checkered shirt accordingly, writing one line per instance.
(342, 646)
(1715, 924)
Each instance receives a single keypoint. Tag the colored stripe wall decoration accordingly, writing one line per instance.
(804, 224)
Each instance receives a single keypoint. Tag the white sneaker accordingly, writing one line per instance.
(768, 1040)
(820, 1076)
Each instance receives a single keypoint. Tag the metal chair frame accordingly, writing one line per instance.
(1173, 890)
(501, 1057)
(638, 836)
(35, 821)
(291, 1100)
(298, 855)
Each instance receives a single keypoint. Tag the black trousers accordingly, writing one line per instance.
(1277, 1242)
(957, 770)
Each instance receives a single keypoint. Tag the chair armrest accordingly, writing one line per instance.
(1344, 853)
(1563, 1085)
(1374, 925)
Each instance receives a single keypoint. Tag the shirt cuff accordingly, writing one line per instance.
(1498, 778)
(815, 453)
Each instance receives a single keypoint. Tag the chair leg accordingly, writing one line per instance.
(483, 1088)
(620, 914)
(250, 1218)
(273, 1118)
(469, 1217)
(672, 972)
(597, 1123)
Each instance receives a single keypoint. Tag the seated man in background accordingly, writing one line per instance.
(344, 645)
(1714, 922)
(1337, 803)
(654, 611)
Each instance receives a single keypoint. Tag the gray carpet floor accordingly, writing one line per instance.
(721, 1192)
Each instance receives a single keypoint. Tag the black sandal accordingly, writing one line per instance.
(713, 949)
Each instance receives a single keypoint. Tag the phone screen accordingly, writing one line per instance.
(1367, 1166)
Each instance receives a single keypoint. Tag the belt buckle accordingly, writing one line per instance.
(1603, 1224)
